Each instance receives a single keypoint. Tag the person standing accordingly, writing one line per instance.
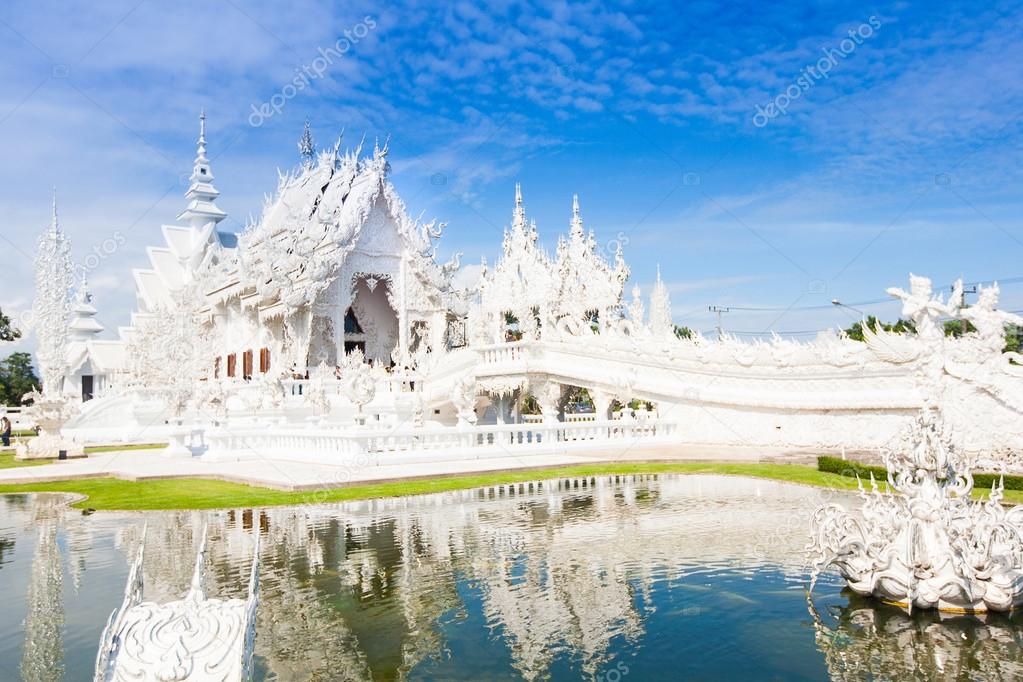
(5, 431)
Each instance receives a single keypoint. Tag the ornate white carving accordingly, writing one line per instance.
(661, 324)
(357, 381)
(926, 545)
(52, 407)
(52, 306)
(170, 351)
(194, 638)
(464, 399)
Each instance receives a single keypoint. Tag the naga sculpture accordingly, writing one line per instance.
(925, 543)
(194, 638)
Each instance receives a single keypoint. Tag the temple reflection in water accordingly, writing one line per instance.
(570, 579)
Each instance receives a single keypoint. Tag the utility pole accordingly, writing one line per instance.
(972, 289)
(719, 310)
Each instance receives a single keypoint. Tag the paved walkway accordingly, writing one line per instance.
(138, 465)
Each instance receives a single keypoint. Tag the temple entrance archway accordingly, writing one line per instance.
(371, 321)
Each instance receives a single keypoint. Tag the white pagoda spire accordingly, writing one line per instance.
(52, 304)
(201, 194)
(83, 323)
(661, 323)
(306, 146)
(577, 221)
(519, 214)
(637, 311)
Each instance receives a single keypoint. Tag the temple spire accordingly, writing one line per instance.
(83, 313)
(661, 323)
(577, 221)
(306, 146)
(201, 194)
(53, 221)
(519, 214)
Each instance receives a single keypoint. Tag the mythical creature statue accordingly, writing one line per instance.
(464, 399)
(927, 544)
(357, 382)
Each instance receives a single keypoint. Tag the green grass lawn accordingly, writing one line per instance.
(191, 493)
(7, 461)
(94, 449)
(194, 493)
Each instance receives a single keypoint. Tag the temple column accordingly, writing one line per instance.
(500, 402)
(548, 395)
(403, 329)
(345, 298)
(339, 321)
(601, 403)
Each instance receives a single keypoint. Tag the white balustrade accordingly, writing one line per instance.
(501, 353)
(341, 442)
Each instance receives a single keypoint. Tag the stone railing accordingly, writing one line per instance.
(391, 383)
(336, 445)
(502, 352)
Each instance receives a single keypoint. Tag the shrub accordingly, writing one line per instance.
(844, 467)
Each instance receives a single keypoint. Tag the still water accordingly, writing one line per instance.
(608, 578)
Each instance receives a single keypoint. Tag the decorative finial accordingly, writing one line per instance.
(306, 146)
(83, 295)
(53, 223)
(202, 126)
(518, 195)
(577, 222)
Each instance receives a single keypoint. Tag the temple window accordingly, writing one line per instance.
(352, 325)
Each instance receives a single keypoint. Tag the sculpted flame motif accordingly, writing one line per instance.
(927, 544)
(193, 638)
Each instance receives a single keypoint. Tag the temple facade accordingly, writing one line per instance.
(330, 317)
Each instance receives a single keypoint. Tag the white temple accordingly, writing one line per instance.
(327, 331)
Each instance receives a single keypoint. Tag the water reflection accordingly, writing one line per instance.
(869, 640)
(43, 653)
(597, 578)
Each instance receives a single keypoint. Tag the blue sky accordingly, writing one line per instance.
(903, 156)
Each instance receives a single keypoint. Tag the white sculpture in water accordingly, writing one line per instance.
(192, 639)
(927, 544)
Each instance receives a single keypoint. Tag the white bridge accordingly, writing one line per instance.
(828, 395)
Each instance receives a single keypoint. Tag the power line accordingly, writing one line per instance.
(876, 301)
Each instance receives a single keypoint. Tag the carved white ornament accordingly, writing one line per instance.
(196, 638)
(927, 544)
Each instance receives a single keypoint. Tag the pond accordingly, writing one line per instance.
(602, 578)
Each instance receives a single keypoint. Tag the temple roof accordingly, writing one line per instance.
(316, 218)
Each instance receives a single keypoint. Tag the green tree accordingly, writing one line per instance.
(16, 378)
(855, 332)
(1013, 334)
(7, 330)
(955, 327)
(1012, 338)
(683, 332)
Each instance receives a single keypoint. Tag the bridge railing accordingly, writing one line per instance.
(340, 443)
(502, 352)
